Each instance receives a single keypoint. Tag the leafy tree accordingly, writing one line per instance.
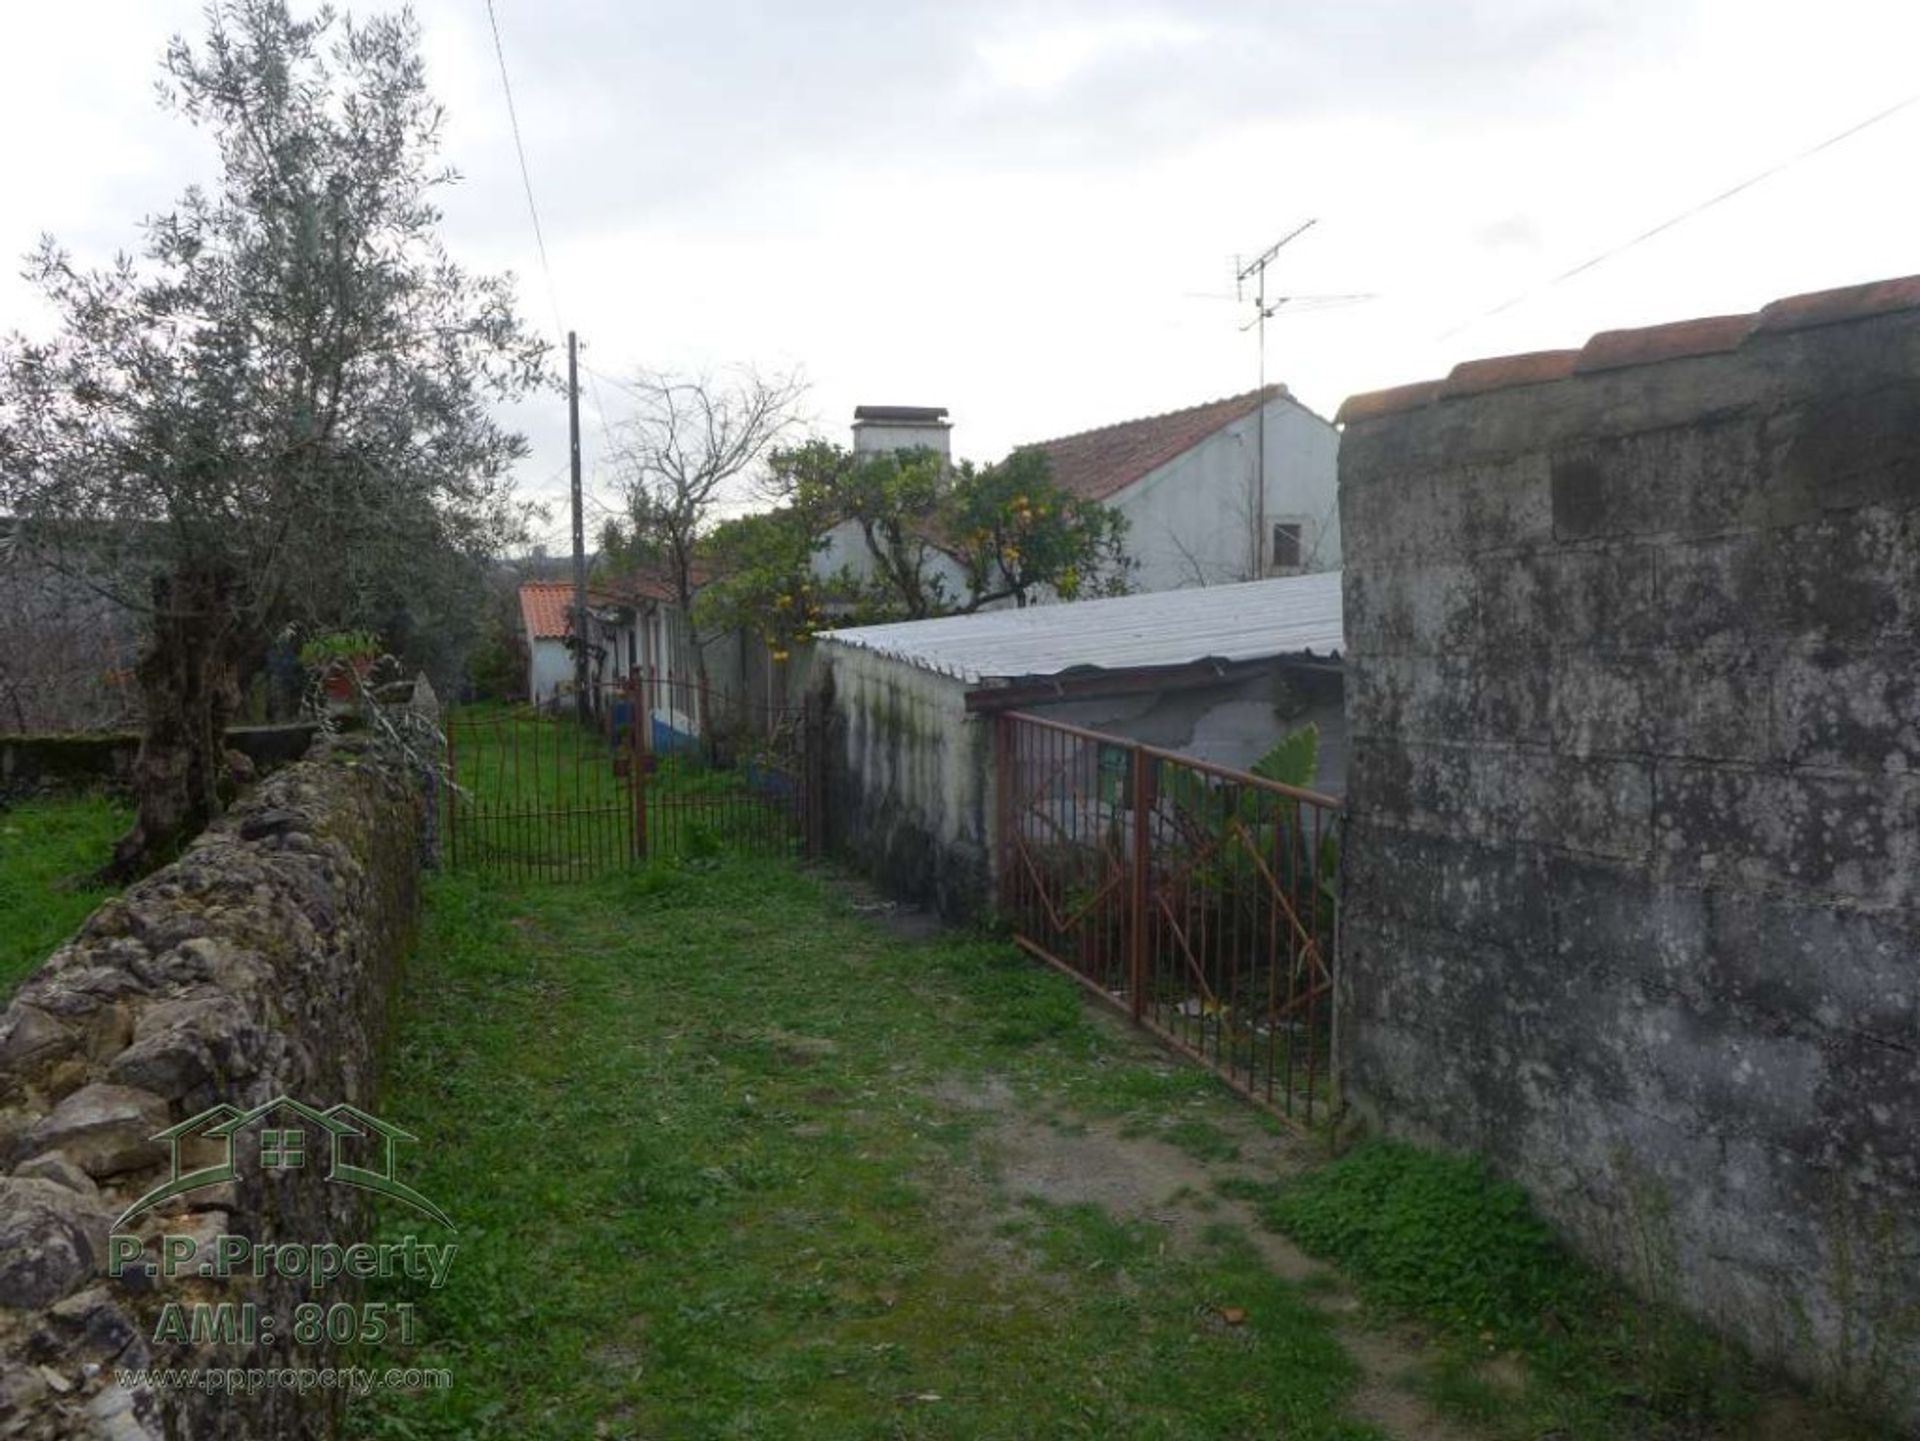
(942, 539)
(1015, 532)
(763, 580)
(280, 411)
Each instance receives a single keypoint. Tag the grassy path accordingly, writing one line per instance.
(726, 1161)
(729, 1158)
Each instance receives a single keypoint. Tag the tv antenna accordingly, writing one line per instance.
(1255, 270)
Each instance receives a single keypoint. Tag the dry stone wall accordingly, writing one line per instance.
(1633, 899)
(258, 965)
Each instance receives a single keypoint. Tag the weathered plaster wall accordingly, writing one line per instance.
(257, 965)
(909, 778)
(1191, 521)
(1633, 891)
(1232, 723)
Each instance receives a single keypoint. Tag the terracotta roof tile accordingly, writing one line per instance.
(1613, 349)
(1503, 372)
(1372, 404)
(1098, 463)
(1852, 302)
(544, 603)
(543, 606)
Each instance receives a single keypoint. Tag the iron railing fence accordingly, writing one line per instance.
(1201, 900)
(667, 767)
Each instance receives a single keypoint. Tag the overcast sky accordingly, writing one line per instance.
(1016, 209)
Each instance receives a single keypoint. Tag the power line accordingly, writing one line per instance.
(533, 212)
(1668, 224)
(526, 176)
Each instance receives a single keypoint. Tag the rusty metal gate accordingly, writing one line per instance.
(665, 768)
(1201, 900)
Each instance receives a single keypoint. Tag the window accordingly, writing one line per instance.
(283, 1150)
(1288, 550)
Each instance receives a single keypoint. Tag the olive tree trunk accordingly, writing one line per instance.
(190, 675)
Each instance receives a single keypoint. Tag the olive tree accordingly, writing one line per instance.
(282, 404)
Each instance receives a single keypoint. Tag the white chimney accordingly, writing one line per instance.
(878, 428)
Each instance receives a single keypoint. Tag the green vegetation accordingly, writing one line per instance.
(1531, 1341)
(44, 845)
(541, 796)
(691, 1124)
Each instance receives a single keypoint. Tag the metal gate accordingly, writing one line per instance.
(663, 768)
(1202, 900)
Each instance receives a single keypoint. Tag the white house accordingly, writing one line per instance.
(1236, 489)
(634, 626)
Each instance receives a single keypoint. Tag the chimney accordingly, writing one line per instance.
(878, 428)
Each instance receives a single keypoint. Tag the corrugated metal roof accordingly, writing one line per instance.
(1250, 621)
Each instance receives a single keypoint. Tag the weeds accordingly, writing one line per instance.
(48, 848)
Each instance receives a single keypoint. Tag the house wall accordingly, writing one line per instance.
(1633, 867)
(909, 778)
(846, 548)
(1190, 521)
(1231, 724)
(549, 670)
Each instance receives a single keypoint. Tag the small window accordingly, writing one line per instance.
(1287, 548)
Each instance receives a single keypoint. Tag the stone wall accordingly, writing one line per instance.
(908, 779)
(257, 966)
(1633, 892)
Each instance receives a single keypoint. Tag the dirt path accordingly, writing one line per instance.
(1065, 1159)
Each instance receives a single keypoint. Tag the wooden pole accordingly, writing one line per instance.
(583, 701)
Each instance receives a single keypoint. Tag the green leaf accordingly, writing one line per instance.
(1295, 761)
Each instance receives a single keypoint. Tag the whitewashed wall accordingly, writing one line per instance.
(1190, 522)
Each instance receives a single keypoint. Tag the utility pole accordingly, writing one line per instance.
(1262, 311)
(583, 701)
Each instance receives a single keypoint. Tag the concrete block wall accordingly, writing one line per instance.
(909, 776)
(1633, 891)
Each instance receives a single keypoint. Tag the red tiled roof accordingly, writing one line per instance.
(1615, 349)
(544, 603)
(1098, 463)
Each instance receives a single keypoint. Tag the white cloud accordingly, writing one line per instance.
(1046, 59)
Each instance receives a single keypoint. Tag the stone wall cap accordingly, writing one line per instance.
(1372, 404)
(1504, 372)
(1647, 345)
(1849, 302)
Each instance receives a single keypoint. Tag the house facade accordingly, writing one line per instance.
(1237, 489)
(634, 626)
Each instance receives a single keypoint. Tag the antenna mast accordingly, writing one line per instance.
(1257, 268)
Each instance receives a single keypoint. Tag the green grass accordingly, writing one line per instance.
(686, 1121)
(45, 845)
(1440, 1239)
(540, 797)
